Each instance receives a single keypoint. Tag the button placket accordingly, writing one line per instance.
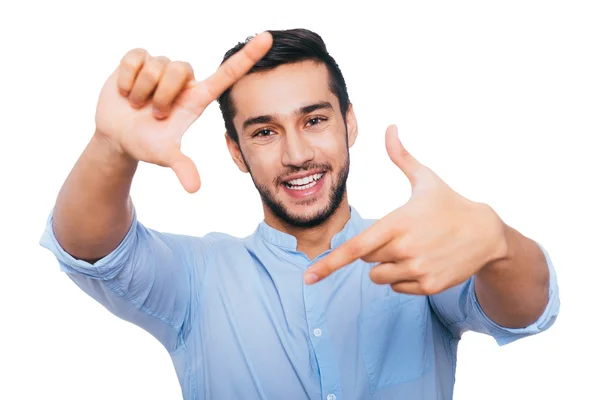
(321, 341)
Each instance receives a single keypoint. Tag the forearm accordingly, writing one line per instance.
(93, 210)
(513, 290)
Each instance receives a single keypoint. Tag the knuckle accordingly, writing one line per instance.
(428, 286)
(152, 71)
(375, 275)
(136, 102)
(413, 270)
(416, 267)
(369, 258)
(133, 58)
(160, 103)
(180, 67)
(154, 68)
(400, 249)
(229, 70)
(189, 68)
(353, 250)
(161, 60)
(397, 288)
(138, 51)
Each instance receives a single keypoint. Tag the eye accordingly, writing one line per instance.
(315, 121)
(262, 133)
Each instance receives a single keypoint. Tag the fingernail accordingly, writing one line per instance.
(310, 278)
(157, 113)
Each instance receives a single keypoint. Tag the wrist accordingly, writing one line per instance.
(500, 245)
(110, 151)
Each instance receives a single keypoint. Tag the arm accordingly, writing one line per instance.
(94, 211)
(442, 245)
(512, 296)
(141, 275)
(148, 279)
(144, 109)
(459, 308)
(513, 290)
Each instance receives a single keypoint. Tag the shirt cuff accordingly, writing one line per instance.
(504, 335)
(106, 268)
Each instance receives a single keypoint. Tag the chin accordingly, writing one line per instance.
(306, 205)
(307, 213)
(307, 209)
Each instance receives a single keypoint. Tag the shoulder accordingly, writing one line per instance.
(198, 245)
(221, 240)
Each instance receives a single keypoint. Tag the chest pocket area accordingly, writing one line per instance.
(393, 340)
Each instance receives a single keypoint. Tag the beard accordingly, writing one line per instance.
(336, 195)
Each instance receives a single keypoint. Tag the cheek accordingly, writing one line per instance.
(264, 165)
(330, 148)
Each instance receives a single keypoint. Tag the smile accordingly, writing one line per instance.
(304, 183)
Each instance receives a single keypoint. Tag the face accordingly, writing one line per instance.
(293, 141)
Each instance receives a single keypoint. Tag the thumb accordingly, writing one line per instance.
(185, 169)
(400, 156)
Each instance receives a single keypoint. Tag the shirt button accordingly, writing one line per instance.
(331, 396)
(318, 332)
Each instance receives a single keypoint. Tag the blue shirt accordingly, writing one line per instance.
(239, 323)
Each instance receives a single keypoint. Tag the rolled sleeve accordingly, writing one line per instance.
(149, 279)
(504, 335)
(460, 311)
(106, 268)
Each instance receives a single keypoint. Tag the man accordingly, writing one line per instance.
(318, 302)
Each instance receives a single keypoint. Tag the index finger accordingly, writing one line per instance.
(377, 235)
(236, 66)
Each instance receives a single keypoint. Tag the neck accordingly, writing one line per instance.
(313, 241)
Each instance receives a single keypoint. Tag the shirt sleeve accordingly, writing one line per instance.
(460, 311)
(150, 279)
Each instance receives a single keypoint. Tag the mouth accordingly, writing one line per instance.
(304, 186)
(305, 182)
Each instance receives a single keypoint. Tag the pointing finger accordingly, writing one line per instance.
(366, 242)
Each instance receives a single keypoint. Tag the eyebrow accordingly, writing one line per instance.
(265, 119)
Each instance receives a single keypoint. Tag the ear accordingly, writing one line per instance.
(236, 154)
(352, 125)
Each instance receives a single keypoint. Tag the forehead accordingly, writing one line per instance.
(281, 90)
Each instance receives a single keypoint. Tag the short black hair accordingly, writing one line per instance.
(289, 46)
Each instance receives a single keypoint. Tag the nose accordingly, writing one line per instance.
(296, 149)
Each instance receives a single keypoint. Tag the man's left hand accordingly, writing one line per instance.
(435, 241)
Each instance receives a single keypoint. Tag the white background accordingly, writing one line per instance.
(501, 99)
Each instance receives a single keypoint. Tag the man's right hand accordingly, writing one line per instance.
(148, 103)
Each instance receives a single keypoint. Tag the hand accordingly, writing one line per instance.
(148, 103)
(435, 241)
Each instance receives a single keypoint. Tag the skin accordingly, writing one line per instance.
(94, 210)
(435, 241)
(293, 142)
(439, 239)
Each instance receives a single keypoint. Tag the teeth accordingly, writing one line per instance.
(313, 183)
(306, 180)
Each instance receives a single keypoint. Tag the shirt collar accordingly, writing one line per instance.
(281, 239)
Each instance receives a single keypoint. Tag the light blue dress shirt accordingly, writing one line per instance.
(239, 323)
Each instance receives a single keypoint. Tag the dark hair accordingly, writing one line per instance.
(289, 46)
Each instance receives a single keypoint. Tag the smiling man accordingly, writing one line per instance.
(317, 303)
